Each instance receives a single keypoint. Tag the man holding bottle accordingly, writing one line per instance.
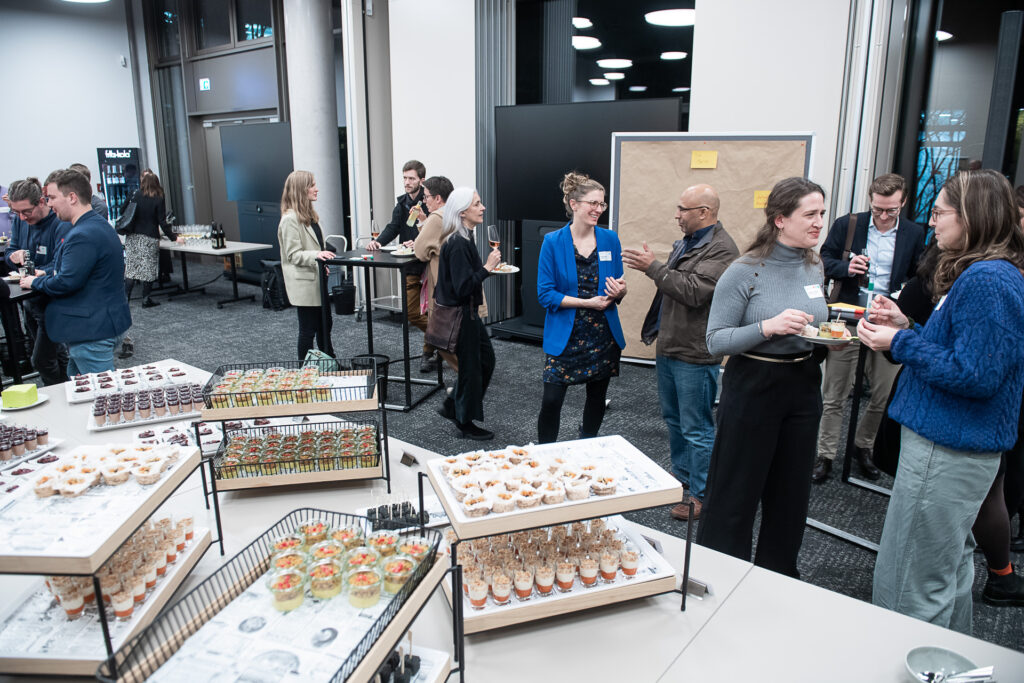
(874, 252)
(409, 211)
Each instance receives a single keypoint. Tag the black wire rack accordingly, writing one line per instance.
(213, 398)
(297, 465)
(140, 657)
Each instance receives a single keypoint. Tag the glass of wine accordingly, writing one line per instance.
(374, 230)
(492, 236)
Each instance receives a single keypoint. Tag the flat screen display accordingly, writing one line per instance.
(536, 144)
(257, 159)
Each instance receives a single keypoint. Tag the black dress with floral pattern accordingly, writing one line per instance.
(591, 352)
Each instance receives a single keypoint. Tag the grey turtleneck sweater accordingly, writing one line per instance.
(753, 290)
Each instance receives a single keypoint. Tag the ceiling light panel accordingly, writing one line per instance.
(582, 22)
(672, 17)
(672, 56)
(585, 42)
(615, 63)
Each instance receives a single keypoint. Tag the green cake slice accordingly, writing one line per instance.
(20, 395)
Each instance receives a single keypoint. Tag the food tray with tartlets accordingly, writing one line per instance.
(165, 373)
(245, 390)
(497, 491)
(276, 602)
(527, 575)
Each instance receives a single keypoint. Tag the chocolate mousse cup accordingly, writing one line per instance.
(43, 436)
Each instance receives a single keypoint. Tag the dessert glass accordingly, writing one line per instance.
(349, 536)
(364, 587)
(361, 557)
(313, 531)
(396, 571)
(325, 579)
(288, 588)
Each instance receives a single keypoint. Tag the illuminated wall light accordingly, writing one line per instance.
(582, 22)
(638, 88)
(672, 17)
(680, 90)
(943, 35)
(599, 81)
(615, 63)
(615, 75)
(585, 42)
(670, 56)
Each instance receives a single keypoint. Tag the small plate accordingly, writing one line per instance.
(828, 341)
(43, 398)
(390, 247)
(12, 278)
(505, 269)
(937, 659)
(399, 253)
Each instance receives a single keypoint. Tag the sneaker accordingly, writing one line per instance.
(682, 511)
(428, 364)
(1004, 591)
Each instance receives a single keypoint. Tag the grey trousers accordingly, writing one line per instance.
(840, 371)
(925, 564)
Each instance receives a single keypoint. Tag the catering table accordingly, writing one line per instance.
(368, 261)
(230, 250)
(10, 311)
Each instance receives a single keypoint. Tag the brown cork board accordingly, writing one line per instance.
(649, 172)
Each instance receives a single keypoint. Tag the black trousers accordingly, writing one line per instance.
(476, 365)
(764, 452)
(49, 358)
(309, 326)
(551, 410)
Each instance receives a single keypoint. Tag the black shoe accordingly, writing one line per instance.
(822, 468)
(1004, 591)
(149, 303)
(1017, 544)
(471, 431)
(127, 348)
(428, 364)
(867, 466)
(447, 409)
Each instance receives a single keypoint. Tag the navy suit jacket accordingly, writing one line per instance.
(557, 279)
(909, 245)
(87, 284)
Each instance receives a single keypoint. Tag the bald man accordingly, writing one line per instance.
(678, 319)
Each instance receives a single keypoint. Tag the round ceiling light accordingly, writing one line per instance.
(638, 88)
(671, 17)
(582, 22)
(680, 90)
(599, 81)
(615, 63)
(585, 42)
(670, 56)
(615, 75)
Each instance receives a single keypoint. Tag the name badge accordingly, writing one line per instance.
(814, 292)
(604, 256)
(41, 249)
(940, 302)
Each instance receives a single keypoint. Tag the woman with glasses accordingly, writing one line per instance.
(958, 399)
(580, 283)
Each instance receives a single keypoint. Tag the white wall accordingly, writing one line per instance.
(75, 96)
(432, 46)
(771, 66)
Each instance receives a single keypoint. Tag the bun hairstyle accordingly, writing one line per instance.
(29, 189)
(575, 186)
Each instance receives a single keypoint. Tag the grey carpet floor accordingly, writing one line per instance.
(193, 330)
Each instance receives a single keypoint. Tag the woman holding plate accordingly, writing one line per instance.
(580, 283)
(958, 399)
(770, 405)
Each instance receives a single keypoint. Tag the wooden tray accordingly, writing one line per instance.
(240, 483)
(61, 664)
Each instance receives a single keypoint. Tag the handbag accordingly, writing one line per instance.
(443, 325)
(125, 225)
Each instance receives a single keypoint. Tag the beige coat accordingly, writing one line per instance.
(428, 249)
(299, 248)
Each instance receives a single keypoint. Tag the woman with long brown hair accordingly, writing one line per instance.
(302, 244)
(142, 246)
(771, 391)
(958, 399)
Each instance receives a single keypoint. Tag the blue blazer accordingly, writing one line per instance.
(87, 284)
(557, 279)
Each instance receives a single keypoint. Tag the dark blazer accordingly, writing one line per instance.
(87, 284)
(909, 245)
(557, 278)
(150, 216)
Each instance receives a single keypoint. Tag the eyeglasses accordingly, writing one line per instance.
(936, 214)
(875, 211)
(24, 214)
(692, 208)
(593, 204)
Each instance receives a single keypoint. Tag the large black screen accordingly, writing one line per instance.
(257, 159)
(537, 143)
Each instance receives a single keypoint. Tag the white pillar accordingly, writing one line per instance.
(309, 50)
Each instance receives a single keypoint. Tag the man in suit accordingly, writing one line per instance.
(881, 257)
(88, 310)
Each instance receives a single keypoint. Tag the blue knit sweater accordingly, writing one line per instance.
(964, 371)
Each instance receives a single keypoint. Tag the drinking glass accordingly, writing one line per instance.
(492, 236)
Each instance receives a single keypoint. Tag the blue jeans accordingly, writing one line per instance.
(91, 356)
(687, 395)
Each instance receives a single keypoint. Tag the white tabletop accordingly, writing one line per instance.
(206, 250)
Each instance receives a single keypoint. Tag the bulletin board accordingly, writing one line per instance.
(650, 172)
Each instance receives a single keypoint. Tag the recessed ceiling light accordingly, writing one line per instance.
(668, 56)
(87, 2)
(585, 42)
(615, 75)
(680, 90)
(582, 22)
(615, 63)
(672, 17)
(638, 88)
(599, 81)
(943, 35)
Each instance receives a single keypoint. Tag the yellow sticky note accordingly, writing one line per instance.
(703, 159)
(761, 198)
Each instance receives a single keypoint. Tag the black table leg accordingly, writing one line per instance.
(234, 285)
(369, 310)
(14, 339)
(405, 342)
(184, 280)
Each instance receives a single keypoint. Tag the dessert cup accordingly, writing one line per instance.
(287, 588)
(364, 587)
(325, 579)
(396, 571)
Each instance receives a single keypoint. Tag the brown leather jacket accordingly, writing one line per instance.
(686, 292)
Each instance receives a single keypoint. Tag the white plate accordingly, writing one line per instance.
(31, 455)
(403, 253)
(506, 270)
(43, 398)
(166, 417)
(828, 341)
(390, 247)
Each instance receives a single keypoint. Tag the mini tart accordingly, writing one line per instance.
(577, 490)
(528, 497)
(503, 501)
(73, 486)
(396, 573)
(361, 557)
(146, 474)
(287, 588)
(476, 506)
(364, 588)
(552, 493)
(113, 475)
(603, 485)
(45, 486)
(517, 455)
(325, 579)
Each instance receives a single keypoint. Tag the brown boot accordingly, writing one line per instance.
(682, 511)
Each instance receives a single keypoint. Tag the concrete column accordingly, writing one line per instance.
(309, 51)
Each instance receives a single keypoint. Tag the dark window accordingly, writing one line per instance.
(213, 27)
(253, 19)
(167, 21)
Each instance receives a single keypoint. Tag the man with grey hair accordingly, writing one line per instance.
(98, 203)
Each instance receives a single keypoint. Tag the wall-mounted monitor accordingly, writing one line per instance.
(257, 159)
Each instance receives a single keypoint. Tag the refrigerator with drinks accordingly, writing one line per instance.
(119, 177)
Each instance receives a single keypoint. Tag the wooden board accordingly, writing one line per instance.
(56, 664)
(88, 564)
(400, 624)
(285, 409)
(240, 483)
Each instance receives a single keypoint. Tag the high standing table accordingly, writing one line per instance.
(230, 250)
(368, 261)
(10, 311)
